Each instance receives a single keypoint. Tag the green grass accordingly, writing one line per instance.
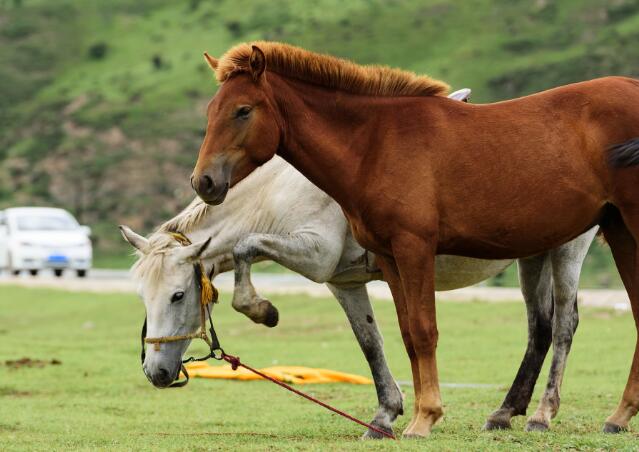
(98, 397)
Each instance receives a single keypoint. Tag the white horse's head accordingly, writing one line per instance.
(168, 286)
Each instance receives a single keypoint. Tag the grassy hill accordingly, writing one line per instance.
(102, 103)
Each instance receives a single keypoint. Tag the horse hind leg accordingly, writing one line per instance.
(536, 286)
(357, 306)
(621, 229)
(566, 266)
(621, 232)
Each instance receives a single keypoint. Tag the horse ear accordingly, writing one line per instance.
(257, 63)
(136, 240)
(212, 62)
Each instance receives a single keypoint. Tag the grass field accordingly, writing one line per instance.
(98, 398)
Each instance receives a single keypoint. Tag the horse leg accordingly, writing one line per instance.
(536, 286)
(391, 276)
(623, 245)
(415, 258)
(358, 309)
(566, 267)
(311, 255)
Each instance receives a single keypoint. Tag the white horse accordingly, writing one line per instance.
(277, 214)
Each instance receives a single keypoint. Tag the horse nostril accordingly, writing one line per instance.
(192, 182)
(206, 184)
(163, 375)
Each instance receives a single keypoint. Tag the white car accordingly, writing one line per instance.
(37, 238)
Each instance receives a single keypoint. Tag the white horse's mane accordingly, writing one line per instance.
(149, 265)
(186, 220)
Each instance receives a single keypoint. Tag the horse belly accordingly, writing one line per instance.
(455, 272)
(523, 222)
(506, 240)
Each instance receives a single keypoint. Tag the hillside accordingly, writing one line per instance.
(102, 103)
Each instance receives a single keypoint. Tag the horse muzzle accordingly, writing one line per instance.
(162, 377)
(210, 192)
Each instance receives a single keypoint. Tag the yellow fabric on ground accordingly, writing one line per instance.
(287, 374)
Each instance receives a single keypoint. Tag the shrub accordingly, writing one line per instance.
(98, 51)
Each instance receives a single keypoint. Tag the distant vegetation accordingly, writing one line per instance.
(102, 103)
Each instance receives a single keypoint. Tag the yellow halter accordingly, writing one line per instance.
(208, 295)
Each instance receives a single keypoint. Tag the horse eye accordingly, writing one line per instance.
(243, 112)
(177, 296)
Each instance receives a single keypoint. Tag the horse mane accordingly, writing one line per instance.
(149, 266)
(330, 71)
(186, 220)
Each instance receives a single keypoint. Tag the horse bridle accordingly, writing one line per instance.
(208, 296)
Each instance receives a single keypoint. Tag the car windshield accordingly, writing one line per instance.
(46, 223)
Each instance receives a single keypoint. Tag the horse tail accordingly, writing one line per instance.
(624, 155)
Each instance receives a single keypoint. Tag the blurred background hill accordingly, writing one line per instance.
(102, 102)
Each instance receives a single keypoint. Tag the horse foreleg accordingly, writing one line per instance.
(536, 286)
(566, 266)
(391, 276)
(415, 258)
(358, 309)
(310, 254)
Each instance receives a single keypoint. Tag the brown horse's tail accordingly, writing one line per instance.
(625, 154)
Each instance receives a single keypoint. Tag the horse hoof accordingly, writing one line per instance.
(536, 426)
(272, 316)
(372, 434)
(609, 427)
(497, 424)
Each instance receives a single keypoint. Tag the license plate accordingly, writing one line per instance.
(57, 259)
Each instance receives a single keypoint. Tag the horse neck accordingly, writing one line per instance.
(240, 213)
(329, 135)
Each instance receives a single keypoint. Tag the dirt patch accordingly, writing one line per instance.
(10, 392)
(28, 362)
(8, 428)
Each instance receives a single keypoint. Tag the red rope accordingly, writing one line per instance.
(234, 361)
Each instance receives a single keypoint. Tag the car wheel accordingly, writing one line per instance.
(13, 271)
(81, 273)
(33, 272)
(57, 272)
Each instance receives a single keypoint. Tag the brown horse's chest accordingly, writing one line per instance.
(363, 235)
(368, 236)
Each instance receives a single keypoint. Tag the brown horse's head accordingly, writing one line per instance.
(242, 131)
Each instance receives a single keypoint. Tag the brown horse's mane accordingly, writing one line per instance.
(329, 71)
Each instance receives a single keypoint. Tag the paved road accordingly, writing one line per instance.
(100, 280)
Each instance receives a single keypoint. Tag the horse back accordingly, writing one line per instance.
(492, 180)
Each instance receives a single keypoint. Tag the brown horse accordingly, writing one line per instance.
(418, 174)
